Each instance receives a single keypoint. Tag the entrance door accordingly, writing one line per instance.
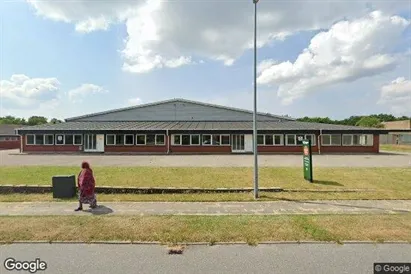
(238, 143)
(93, 143)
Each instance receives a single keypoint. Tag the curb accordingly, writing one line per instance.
(203, 243)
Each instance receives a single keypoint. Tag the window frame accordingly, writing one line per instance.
(211, 139)
(107, 135)
(191, 140)
(164, 140)
(44, 139)
(295, 140)
(281, 139)
(34, 139)
(331, 143)
(359, 135)
(74, 140)
(221, 139)
(125, 138)
(145, 140)
(64, 139)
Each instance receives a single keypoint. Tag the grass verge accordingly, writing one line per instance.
(396, 148)
(178, 229)
(386, 183)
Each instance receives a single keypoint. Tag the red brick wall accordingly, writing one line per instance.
(48, 148)
(200, 149)
(136, 149)
(9, 144)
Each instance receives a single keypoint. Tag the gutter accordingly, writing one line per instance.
(168, 142)
(319, 142)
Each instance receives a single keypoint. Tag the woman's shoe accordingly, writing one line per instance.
(78, 209)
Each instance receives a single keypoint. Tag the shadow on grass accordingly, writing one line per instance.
(327, 183)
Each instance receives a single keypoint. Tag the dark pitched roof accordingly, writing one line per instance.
(175, 125)
(177, 100)
(8, 129)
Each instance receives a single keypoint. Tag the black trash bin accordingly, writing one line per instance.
(64, 186)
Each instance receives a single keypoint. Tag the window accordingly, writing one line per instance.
(119, 139)
(291, 140)
(151, 139)
(160, 139)
(49, 139)
(260, 139)
(331, 140)
(311, 137)
(225, 139)
(30, 139)
(39, 139)
(78, 139)
(111, 139)
(216, 140)
(278, 140)
(269, 140)
(358, 140)
(140, 139)
(129, 139)
(176, 139)
(195, 139)
(69, 139)
(206, 140)
(185, 140)
(60, 139)
(3, 139)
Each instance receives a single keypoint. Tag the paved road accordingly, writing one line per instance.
(7, 158)
(201, 208)
(275, 258)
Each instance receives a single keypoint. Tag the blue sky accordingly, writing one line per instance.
(38, 46)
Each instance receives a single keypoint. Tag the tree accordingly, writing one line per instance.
(36, 120)
(55, 121)
(369, 121)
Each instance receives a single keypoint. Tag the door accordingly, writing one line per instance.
(249, 143)
(93, 143)
(238, 143)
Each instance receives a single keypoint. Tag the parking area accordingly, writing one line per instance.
(12, 158)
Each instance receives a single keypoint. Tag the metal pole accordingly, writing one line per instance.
(255, 105)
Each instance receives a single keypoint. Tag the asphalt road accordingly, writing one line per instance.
(274, 258)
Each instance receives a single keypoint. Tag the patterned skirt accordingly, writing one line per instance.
(90, 199)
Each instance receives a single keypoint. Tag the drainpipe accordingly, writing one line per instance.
(319, 142)
(168, 142)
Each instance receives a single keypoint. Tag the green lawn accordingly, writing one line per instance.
(178, 229)
(385, 183)
(396, 148)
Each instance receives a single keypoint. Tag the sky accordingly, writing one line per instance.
(61, 59)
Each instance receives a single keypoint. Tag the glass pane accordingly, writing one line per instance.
(110, 139)
(300, 139)
(119, 139)
(206, 139)
(269, 140)
(49, 139)
(336, 140)
(68, 139)
(347, 140)
(129, 139)
(278, 139)
(39, 139)
(241, 142)
(30, 139)
(141, 139)
(225, 139)
(195, 139)
(151, 139)
(185, 140)
(290, 139)
(59, 139)
(177, 140)
(234, 142)
(326, 139)
(260, 139)
(160, 139)
(77, 139)
(94, 140)
(356, 140)
(216, 140)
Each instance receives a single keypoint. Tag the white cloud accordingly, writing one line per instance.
(350, 50)
(173, 33)
(134, 101)
(397, 95)
(22, 91)
(77, 94)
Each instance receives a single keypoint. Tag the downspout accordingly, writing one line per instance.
(319, 142)
(168, 142)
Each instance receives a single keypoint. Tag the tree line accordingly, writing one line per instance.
(374, 120)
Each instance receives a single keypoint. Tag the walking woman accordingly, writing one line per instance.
(86, 185)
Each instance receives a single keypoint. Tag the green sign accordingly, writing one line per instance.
(307, 161)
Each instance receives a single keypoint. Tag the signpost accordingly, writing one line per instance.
(308, 161)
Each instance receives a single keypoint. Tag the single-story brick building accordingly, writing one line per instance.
(8, 137)
(183, 126)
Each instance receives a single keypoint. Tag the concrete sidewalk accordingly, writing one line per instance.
(211, 208)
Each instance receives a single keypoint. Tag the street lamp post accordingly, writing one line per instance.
(255, 105)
